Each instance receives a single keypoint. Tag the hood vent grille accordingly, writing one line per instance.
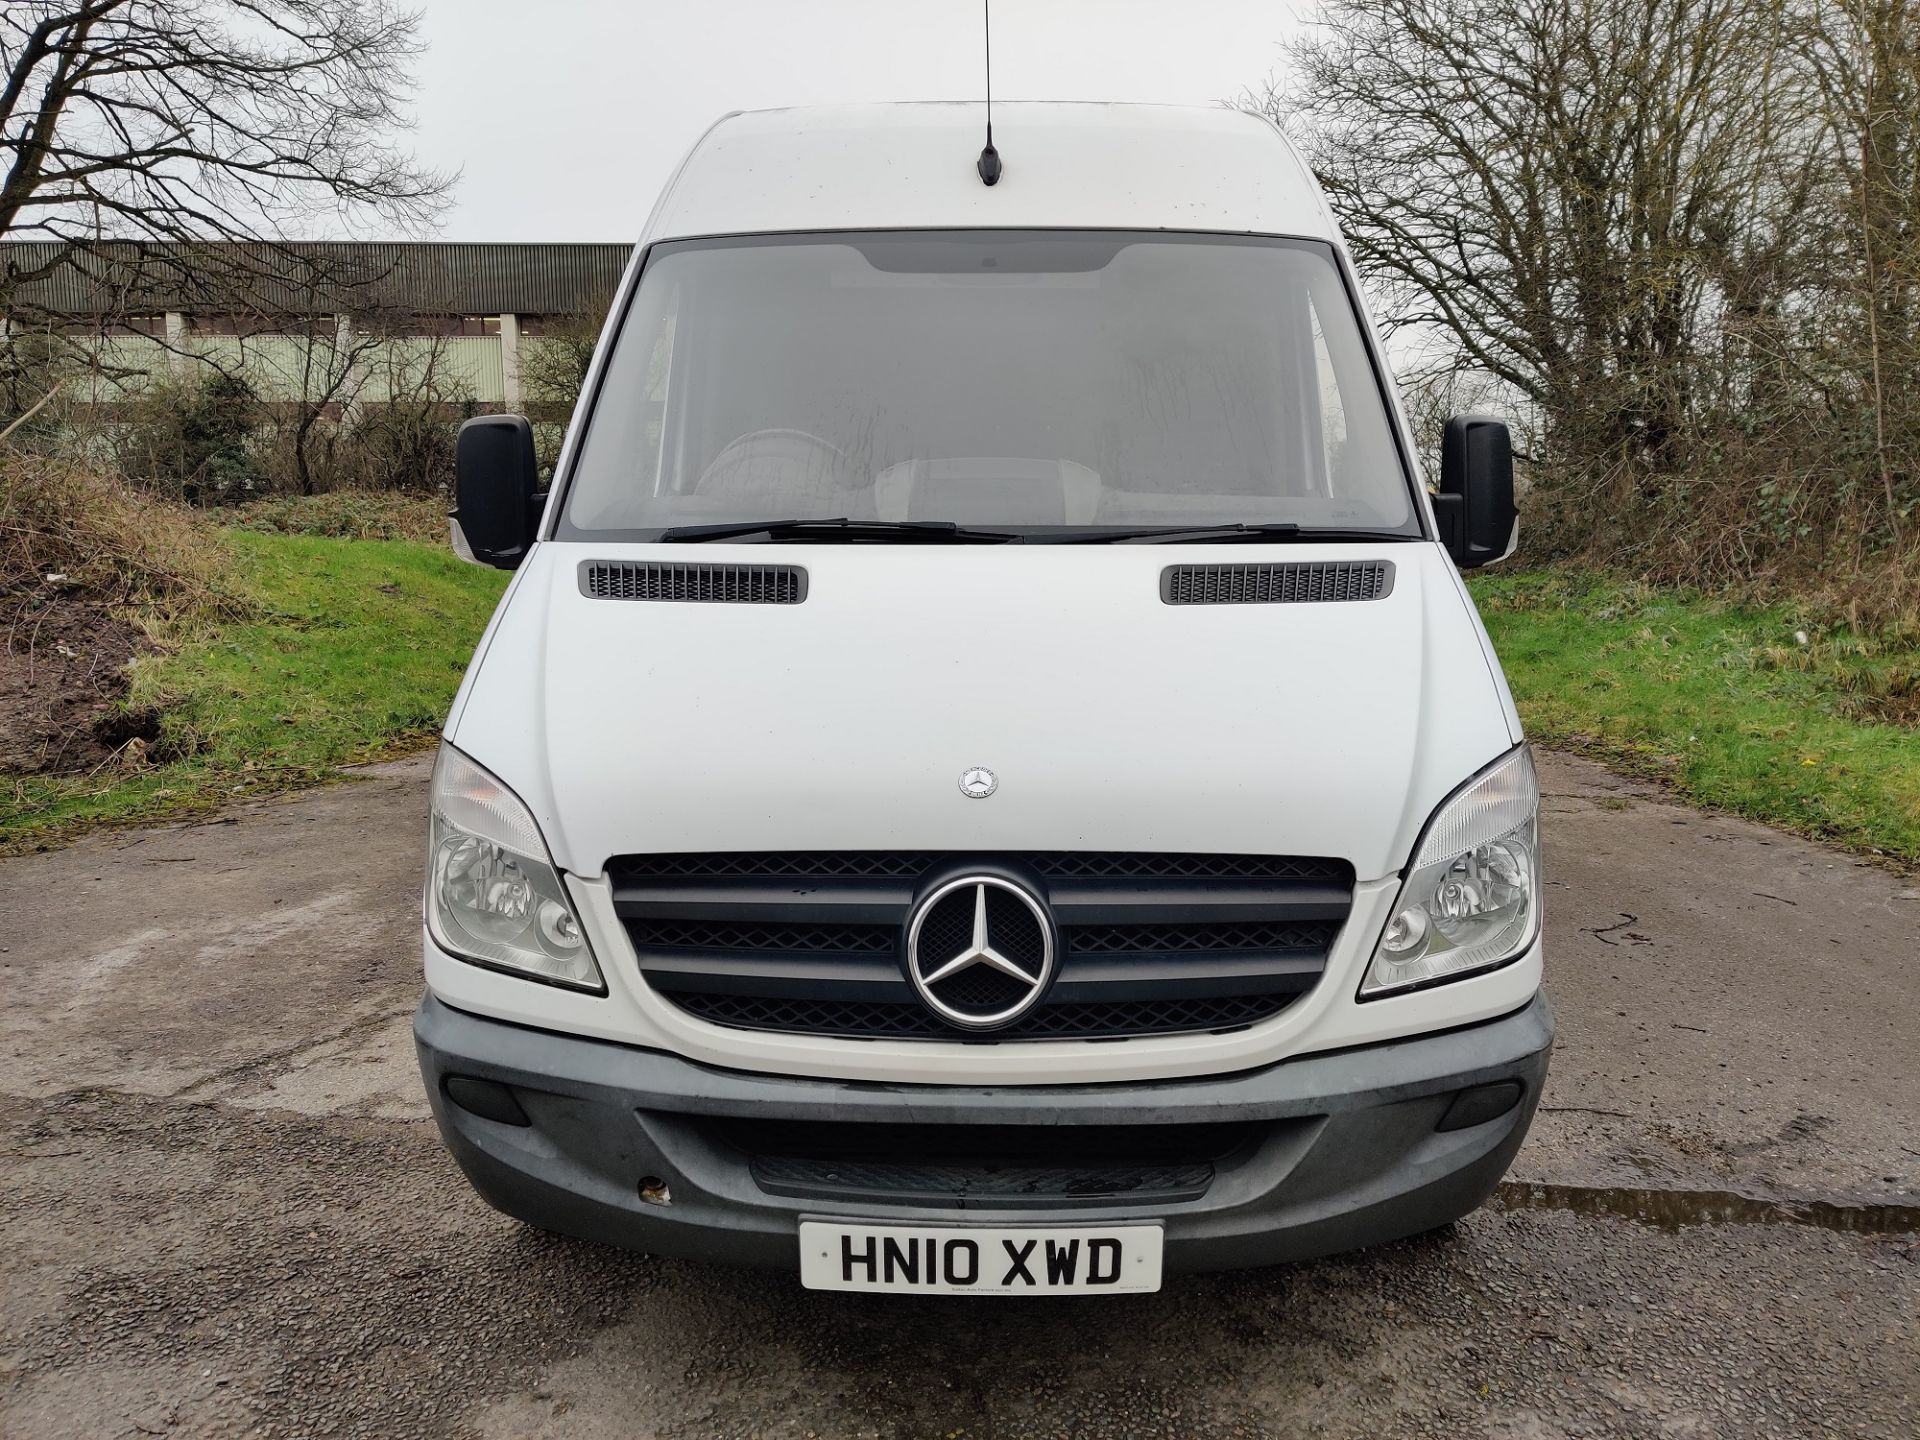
(703, 584)
(1294, 583)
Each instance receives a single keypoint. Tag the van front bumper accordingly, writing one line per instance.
(1344, 1149)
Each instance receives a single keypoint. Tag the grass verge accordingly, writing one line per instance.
(1762, 711)
(339, 652)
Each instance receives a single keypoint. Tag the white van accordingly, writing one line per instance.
(986, 778)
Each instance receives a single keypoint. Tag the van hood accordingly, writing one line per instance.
(1110, 719)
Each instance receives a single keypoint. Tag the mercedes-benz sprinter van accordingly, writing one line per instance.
(986, 778)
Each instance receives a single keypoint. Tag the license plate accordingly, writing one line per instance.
(976, 1260)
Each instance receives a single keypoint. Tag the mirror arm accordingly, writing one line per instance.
(1450, 520)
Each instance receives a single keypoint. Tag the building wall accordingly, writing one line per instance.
(456, 369)
(269, 312)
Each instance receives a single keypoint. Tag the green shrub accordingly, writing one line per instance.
(196, 440)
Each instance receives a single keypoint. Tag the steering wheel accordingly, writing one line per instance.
(794, 447)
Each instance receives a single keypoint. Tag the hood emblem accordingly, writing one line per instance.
(977, 782)
(980, 951)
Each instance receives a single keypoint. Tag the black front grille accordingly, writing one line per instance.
(988, 1166)
(914, 864)
(745, 935)
(1121, 939)
(980, 1186)
(704, 584)
(1148, 943)
(1291, 583)
(910, 1020)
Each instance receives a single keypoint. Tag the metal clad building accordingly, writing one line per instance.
(294, 317)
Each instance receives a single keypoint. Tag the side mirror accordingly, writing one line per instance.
(1475, 508)
(495, 485)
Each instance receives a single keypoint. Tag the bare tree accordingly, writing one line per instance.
(334, 352)
(1682, 236)
(1865, 55)
(553, 370)
(407, 441)
(194, 120)
(363, 400)
(553, 364)
(1563, 187)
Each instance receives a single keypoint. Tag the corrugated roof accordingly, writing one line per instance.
(433, 277)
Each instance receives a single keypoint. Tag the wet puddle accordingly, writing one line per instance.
(1677, 1209)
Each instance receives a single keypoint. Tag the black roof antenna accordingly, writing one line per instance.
(989, 163)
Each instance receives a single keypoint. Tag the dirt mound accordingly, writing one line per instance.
(86, 565)
(63, 677)
(106, 541)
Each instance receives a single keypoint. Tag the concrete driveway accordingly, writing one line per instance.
(223, 1209)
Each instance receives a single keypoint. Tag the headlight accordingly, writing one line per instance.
(1472, 896)
(493, 895)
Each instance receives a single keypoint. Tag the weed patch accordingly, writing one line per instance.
(346, 651)
(1774, 712)
(348, 515)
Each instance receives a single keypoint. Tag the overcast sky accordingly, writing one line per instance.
(566, 116)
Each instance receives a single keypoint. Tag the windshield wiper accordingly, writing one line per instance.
(922, 531)
(1279, 531)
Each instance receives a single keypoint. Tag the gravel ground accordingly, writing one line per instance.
(223, 1212)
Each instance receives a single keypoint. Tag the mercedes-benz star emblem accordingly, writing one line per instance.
(977, 782)
(980, 951)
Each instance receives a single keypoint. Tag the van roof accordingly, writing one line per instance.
(1068, 165)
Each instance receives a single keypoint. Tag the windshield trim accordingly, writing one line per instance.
(837, 531)
(555, 526)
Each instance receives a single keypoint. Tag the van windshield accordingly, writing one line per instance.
(1038, 382)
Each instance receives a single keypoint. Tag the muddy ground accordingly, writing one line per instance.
(223, 1210)
(63, 674)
